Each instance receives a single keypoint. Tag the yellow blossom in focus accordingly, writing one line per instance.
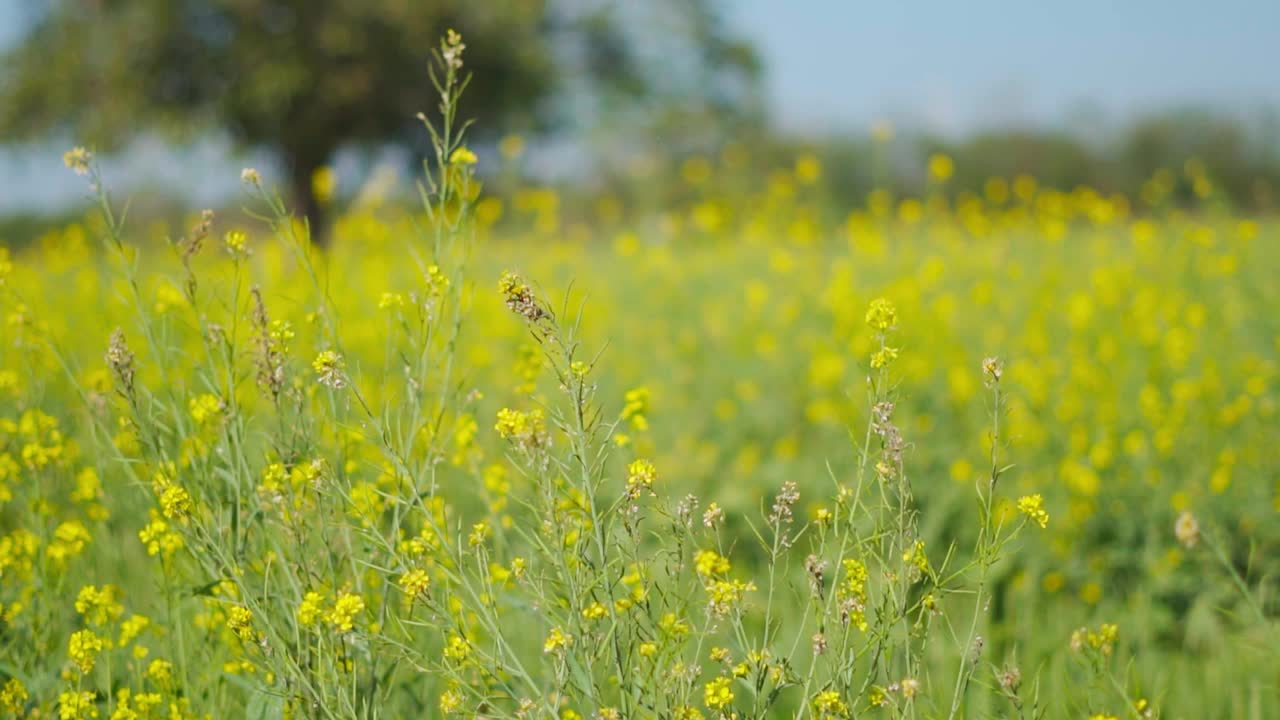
(640, 477)
(415, 582)
(346, 608)
(557, 641)
(240, 622)
(329, 369)
(828, 705)
(83, 649)
(462, 156)
(1033, 507)
(718, 694)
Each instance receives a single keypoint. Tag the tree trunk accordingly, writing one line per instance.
(302, 169)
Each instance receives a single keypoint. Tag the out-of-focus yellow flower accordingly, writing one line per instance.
(78, 159)
(881, 315)
(511, 146)
(941, 167)
(324, 183)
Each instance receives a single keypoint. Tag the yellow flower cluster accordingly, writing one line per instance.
(641, 475)
(205, 408)
(635, 410)
(1033, 507)
(77, 705)
(1102, 640)
(83, 649)
(311, 609)
(415, 582)
(710, 564)
(346, 608)
(13, 695)
(240, 623)
(881, 315)
(99, 605)
(557, 641)
(330, 369)
(158, 538)
(718, 694)
(828, 705)
(852, 592)
(514, 424)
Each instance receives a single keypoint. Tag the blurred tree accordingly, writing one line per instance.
(307, 77)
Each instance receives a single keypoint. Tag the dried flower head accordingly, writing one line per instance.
(713, 515)
(686, 508)
(270, 346)
(993, 368)
(819, 643)
(520, 298)
(452, 50)
(783, 502)
(975, 651)
(120, 361)
(1010, 678)
(817, 569)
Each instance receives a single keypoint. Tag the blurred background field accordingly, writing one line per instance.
(651, 159)
(608, 101)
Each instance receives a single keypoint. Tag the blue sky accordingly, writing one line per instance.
(955, 64)
(947, 65)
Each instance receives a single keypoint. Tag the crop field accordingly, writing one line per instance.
(1002, 456)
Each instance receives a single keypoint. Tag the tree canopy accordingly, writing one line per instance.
(307, 77)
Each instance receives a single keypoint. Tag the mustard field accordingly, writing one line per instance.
(1008, 456)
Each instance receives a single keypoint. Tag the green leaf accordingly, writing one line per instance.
(264, 706)
(205, 590)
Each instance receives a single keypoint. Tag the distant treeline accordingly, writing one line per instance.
(1185, 159)
(1173, 158)
(1235, 161)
